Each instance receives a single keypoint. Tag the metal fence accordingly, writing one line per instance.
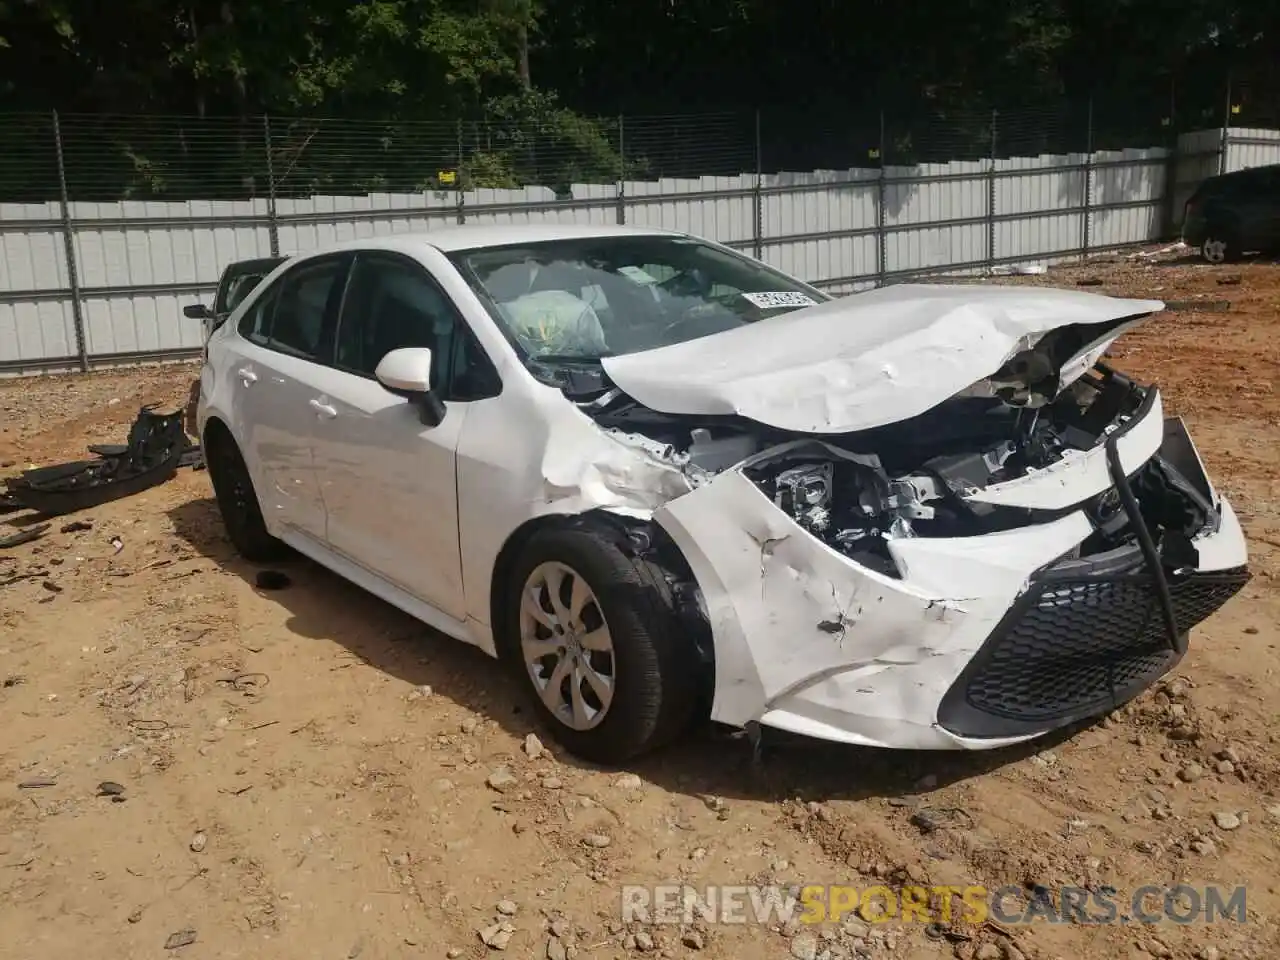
(109, 224)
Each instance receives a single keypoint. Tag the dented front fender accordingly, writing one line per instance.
(808, 640)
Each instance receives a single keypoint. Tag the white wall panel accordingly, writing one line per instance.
(139, 262)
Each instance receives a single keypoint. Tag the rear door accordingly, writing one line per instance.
(283, 355)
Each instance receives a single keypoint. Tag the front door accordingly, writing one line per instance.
(388, 481)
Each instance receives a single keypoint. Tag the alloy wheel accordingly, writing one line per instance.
(1215, 251)
(566, 645)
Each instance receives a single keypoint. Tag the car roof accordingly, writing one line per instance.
(453, 239)
(1248, 173)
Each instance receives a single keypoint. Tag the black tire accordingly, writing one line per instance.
(1224, 242)
(238, 504)
(656, 668)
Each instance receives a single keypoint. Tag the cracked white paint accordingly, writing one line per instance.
(900, 642)
(807, 640)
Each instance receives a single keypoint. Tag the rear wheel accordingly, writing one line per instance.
(1220, 246)
(591, 634)
(238, 502)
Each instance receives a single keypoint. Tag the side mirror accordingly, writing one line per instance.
(197, 311)
(407, 373)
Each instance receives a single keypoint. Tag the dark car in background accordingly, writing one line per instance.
(238, 280)
(1234, 214)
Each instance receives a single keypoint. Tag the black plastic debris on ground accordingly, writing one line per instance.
(272, 580)
(193, 458)
(109, 788)
(932, 819)
(23, 536)
(156, 444)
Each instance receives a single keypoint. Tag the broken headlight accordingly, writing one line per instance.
(846, 499)
(804, 494)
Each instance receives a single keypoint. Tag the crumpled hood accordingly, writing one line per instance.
(878, 357)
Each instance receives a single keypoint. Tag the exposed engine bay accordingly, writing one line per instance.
(857, 492)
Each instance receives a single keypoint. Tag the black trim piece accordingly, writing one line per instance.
(1076, 645)
(1180, 453)
(1177, 642)
(1149, 395)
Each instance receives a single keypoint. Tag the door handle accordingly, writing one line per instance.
(247, 375)
(323, 409)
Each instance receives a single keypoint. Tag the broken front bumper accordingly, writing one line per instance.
(983, 641)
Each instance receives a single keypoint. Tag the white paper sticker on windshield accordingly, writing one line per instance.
(637, 275)
(771, 301)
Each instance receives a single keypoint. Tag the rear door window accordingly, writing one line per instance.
(290, 316)
(255, 325)
(307, 295)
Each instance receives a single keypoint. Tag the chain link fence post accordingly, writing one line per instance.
(991, 196)
(1224, 145)
(757, 197)
(882, 192)
(1086, 216)
(457, 178)
(1171, 225)
(273, 226)
(621, 192)
(69, 246)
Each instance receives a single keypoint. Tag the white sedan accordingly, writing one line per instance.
(663, 480)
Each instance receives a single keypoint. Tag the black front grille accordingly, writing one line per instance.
(1076, 647)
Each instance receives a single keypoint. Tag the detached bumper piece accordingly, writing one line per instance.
(152, 455)
(1075, 647)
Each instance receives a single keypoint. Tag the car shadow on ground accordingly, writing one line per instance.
(711, 761)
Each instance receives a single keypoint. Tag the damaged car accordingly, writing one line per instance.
(663, 481)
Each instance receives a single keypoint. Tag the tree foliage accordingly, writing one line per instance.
(501, 79)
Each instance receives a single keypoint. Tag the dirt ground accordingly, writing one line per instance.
(306, 771)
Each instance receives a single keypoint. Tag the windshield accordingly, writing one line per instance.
(580, 300)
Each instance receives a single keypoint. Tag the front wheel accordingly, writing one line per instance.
(592, 636)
